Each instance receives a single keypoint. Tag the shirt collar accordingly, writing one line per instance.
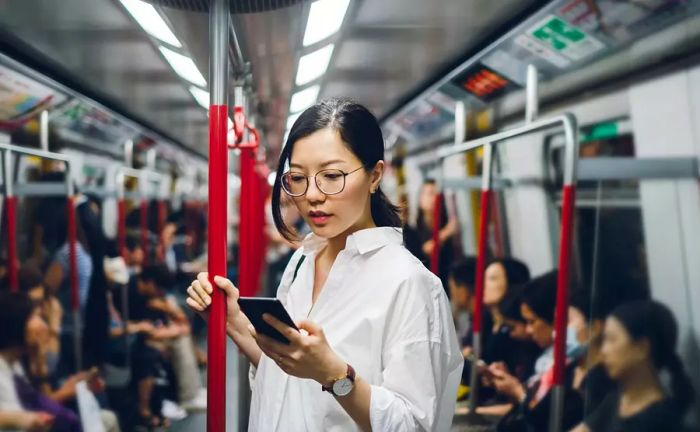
(362, 241)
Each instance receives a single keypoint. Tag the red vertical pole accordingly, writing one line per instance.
(145, 246)
(162, 217)
(245, 246)
(74, 288)
(437, 216)
(481, 260)
(218, 167)
(11, 212)
(121, 227)
(73, 254)
(561, 312)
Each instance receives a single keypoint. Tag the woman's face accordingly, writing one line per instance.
(621, 354)
(539, 330)
(37, 331)
(332, 215)
(427, 197)
(459, 294)
(495, 284)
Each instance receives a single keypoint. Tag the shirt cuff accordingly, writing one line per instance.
(388, 412)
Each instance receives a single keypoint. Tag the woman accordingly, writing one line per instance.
(24, 333)
(420, 240)
(361, 299)
(639, 341)
(586, 383)
(506, 339)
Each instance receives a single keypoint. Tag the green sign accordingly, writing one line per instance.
(564, 38)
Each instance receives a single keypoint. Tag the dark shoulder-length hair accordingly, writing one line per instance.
(360, 132)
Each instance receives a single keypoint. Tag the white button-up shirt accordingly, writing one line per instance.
(383, 313)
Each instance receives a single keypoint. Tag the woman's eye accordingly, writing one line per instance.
(332, 176)
(297, 178)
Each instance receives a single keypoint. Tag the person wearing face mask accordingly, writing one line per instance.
(584, 339)
(639, 341)
(377, 348)
(530, 402)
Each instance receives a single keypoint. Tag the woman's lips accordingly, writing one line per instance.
(319, 218)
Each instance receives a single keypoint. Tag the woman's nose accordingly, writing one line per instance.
(313, 193)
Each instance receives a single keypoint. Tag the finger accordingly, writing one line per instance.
(197, 292)
(203, 279)
(194, 305)
(228, 287)
(287, 331)
(273, 346)
(310, 327)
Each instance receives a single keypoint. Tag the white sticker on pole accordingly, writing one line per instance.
(564, 38)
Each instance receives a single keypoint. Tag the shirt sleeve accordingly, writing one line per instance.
(420, 361)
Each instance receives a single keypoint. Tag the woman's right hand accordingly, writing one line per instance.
(199, 300)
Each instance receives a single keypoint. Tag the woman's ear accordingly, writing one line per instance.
(376, 176)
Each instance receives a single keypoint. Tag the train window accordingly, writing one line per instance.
(609, 245)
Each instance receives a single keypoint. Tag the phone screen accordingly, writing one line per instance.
(255, 307)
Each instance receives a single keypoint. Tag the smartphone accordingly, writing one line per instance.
(483, 369)
(255, 307)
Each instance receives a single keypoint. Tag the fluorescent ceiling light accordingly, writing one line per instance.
(325, 18)
(291, 119)
(201, 96)
(304, 99)
(184, 66)
(148, 17)
(313, 65)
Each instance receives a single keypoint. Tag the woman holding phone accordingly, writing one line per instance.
(377, 348)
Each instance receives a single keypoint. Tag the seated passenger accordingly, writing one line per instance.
(586, 322)
(503, 283)
(511, 344)
(639, 341)
(21, 322)
(461, 285)
(531, 401)
(31, 282)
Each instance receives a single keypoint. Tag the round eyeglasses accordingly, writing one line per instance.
(328, 181)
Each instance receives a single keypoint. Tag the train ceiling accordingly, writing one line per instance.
(407, 60)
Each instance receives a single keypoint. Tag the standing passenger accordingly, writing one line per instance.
(377, 335)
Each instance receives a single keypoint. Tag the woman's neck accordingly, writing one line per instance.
(640, 388)
(337, 243)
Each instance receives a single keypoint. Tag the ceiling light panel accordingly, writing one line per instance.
(150, 20)
(313, 65)
(304, 99)
(201, 96)
(325, 19)
(184, 66)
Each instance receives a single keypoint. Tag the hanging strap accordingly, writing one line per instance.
(296, 270)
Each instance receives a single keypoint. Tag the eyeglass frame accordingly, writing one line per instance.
(345, 174)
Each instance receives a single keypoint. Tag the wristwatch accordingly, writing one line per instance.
(343, 385)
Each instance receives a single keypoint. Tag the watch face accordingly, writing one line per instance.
(343, 387)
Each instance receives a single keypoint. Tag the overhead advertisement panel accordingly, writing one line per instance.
(483, 82)
(564, 36)
(20, 95)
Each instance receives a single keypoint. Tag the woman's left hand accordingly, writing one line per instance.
(306, 356)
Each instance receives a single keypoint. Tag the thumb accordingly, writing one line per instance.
(227, 286)
(311, 327)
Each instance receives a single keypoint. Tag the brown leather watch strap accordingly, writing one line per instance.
(349, 375)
